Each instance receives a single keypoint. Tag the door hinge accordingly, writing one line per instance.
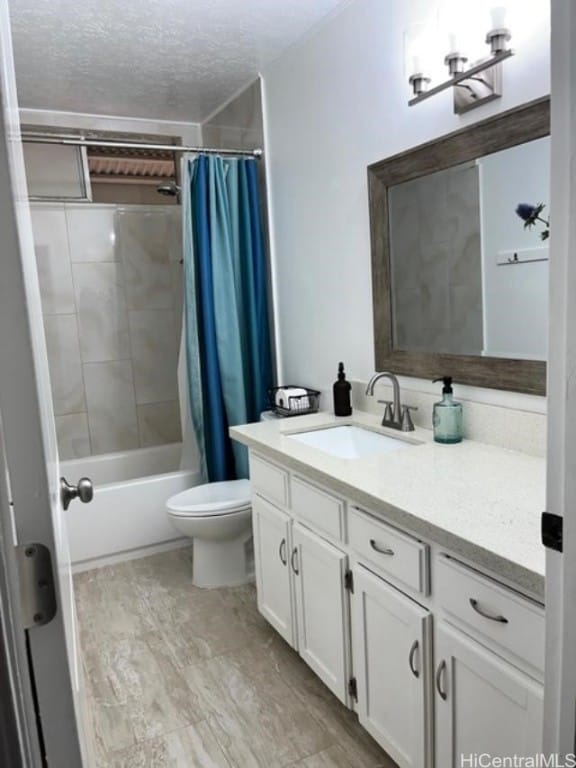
(37, 591)
(552, 531)
(353, 688)
(349, 581)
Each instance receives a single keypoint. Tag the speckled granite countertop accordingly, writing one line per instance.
(480, 501)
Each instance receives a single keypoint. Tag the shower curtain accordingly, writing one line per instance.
(226, 310)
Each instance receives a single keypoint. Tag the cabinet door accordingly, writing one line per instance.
(272, 547)
(484, 705)
(322, 608)
(391, 658)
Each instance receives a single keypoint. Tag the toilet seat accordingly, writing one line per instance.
(211, 500)
(211, 514)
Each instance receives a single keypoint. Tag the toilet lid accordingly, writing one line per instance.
(212, 498)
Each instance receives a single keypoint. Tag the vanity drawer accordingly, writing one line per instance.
(269, 481)
(486, 608)
(318, 508)
(403, 558)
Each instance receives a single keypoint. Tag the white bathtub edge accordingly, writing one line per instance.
(129, 554)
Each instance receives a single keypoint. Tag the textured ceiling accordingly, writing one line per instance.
(160, 59)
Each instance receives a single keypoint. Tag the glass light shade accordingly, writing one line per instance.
(498, 16)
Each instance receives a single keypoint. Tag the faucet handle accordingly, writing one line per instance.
(406, 423)
(388, 413)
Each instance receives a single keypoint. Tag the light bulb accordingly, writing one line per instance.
(498, 16)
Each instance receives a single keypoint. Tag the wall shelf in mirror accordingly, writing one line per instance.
(442, 217)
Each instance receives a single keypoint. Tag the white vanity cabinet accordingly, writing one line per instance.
(439, 661)
(272, 549)
(300, 576)
(319, 571)
(484, 705)
(391, 637)
(489, 653)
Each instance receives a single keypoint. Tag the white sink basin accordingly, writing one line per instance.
(349, 442)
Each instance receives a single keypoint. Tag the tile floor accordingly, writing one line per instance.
(178, 677)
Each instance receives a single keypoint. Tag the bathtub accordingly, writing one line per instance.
(127, 517)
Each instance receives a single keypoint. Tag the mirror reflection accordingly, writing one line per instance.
(469, 273)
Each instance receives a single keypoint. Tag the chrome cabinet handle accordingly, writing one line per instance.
(413, 650)
(293, 560)
(493, 617)
(439, 673)
(380, 550)
(83, 491)
(282, 552)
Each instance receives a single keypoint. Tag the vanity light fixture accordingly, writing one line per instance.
(480, 83)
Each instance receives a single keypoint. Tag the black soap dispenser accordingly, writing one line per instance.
(342, 405)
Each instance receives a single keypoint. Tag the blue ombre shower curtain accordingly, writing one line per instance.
(227, 328)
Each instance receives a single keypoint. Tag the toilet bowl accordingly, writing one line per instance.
(217, 517)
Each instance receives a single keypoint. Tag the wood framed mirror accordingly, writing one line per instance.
(459, 283)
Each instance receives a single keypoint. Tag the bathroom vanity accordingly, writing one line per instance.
(411, 581)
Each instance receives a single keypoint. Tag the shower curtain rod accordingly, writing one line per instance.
(42, 139)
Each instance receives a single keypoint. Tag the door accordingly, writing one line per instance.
(321, 608)
(560, 708)
(391, 658)
(484, 705)
(29, 437)
(272, 548)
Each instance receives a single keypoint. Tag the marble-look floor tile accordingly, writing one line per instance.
(137, 692)
(111, 406)
(191, 747)
(110, 605)
(333, 757)
(345, 730)
(63, 350)
(252, 701)
(255, 714)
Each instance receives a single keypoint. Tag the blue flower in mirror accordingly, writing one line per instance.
(530, 214)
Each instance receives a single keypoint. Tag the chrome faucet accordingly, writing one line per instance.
(396, 415)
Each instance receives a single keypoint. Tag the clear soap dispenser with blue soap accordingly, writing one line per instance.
(447, 415)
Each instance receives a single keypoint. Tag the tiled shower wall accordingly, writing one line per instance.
(110, 281)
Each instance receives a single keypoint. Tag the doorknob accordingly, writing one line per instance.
(83, 491)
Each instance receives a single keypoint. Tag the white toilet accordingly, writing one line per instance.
(217, 517)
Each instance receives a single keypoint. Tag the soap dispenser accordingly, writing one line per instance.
(447, 415)
(342, 405)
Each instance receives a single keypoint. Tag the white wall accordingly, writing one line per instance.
(516, 296)
(334, 104)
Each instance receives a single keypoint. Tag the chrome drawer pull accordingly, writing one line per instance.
(413, 650)
(282, 552)
(293, 561)
(380, 550)
(491, 616)
(439, 673)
